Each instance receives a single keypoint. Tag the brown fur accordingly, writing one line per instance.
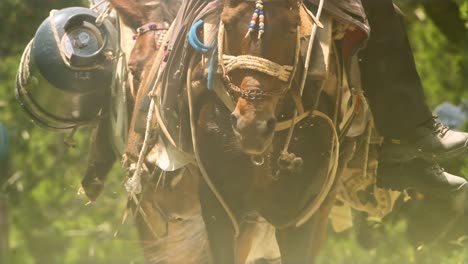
(171, 230)
(246, 188)
(133, 13)
(136, 14)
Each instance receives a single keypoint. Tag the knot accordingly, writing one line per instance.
(133, 184)
(289, 161)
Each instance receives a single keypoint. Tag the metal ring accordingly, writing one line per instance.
(257, 160)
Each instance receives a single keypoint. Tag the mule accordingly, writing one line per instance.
(280, 137)
(167, 211)
(275, 154)
(169, 202)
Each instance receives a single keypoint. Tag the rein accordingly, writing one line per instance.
(284, 73)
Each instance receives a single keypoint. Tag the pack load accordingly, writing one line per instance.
(66, 71)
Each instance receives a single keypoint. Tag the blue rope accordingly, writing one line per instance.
(194, 41)
(202, 48)
(4, 142)
(211, 68)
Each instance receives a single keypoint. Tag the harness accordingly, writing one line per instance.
(159, 30)
(285, 74)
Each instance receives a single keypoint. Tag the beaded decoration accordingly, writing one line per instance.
(257, 17)
(159, 28)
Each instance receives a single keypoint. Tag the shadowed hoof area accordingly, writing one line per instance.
(423, 176)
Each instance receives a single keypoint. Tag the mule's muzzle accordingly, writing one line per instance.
(254, 135)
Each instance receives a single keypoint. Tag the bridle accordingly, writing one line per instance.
(229, 63)
(285, 73)
(159, 30)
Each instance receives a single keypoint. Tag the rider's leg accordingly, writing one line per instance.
(394, 90)
(389, 74)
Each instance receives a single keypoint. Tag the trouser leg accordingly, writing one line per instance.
(390, 79)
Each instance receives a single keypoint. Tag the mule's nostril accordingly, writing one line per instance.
(266, 127)
(271, 125)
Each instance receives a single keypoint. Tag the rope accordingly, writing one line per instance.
(211, 69)
(133, 184)
(195, 42)
(230, 63)
(332, 169)
(96, 5)
(104, 14)
(282, 72)
(293, 119)
(280, 126)
(333, 166)
(309, 47)
(23, 71)
(304, 77)
(203, 171)
(23, 78)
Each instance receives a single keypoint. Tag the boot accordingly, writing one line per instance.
(422, 176)
(431, 140)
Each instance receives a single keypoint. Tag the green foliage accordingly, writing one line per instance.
(50, 222)
(20, 18)
(442, 66)
(464, 10)
(388, 242)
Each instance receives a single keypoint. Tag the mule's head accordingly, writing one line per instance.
(258, 56)
(148, 41)
(150, 19)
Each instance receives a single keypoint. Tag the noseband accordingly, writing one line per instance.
(160, 30)
(228, 63)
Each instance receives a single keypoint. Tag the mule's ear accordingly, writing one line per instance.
(132, 12)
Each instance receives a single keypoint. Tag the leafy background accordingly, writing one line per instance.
(46, 221)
